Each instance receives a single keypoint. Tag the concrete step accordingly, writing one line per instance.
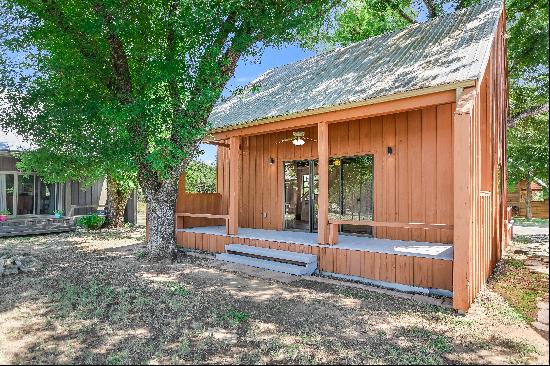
(304, 269)
(281, 255)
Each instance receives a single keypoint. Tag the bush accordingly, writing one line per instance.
(92, 221)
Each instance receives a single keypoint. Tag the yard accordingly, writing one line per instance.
(94, 299)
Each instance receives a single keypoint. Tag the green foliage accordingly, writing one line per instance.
(131, 84)
(527, 43)
(528, 151)
(200, 177)
(235, 317)
(92, 221)
(5, 212)
(177, 289)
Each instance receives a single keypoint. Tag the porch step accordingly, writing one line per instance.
(298, 264)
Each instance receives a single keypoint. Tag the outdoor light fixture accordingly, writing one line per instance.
(271, 161)
(390, 150)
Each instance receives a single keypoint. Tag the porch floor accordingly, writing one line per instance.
(351, 242)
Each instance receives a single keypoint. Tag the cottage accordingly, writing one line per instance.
(385, 160)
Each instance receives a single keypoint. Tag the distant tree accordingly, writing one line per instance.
(200, 177)
(136, 81)
(528, 155)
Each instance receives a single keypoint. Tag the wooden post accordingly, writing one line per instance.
(234, 151)
(322, 215)
(462, 200)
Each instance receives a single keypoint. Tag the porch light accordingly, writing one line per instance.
(271, 161)
(298, 141)
(390, 150)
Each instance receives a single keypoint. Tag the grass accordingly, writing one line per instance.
(521, 287)
(235, 317)
(534, 222)
(114, 308)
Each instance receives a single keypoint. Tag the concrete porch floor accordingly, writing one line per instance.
(351, 242)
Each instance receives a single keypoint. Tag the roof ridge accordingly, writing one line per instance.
(342, 48)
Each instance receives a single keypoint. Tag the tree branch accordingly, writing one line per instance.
(405, 16)
(432, 13)
(528, 112)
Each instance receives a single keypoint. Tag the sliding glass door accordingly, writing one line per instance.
(7, 192)
(301, 190)
(28, 194)
(351, 189)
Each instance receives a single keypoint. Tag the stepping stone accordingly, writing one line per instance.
(542, 316)
(540, 326)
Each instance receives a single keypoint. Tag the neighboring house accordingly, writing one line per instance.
(385, 159)
(32, 202)
(539, 204)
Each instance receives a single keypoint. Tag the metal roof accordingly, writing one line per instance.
(446, 50)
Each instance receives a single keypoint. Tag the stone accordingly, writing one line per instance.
(542, 305)
(9, 262)
(542, 316)
(195, 325)
(540, 326)
(10, 269)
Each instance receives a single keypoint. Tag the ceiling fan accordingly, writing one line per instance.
(298, 138)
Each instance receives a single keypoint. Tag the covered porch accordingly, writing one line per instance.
(385, 262)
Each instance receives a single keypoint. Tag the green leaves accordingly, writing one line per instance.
(129, 86)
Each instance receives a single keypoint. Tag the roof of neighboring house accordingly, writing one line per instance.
(446, 50)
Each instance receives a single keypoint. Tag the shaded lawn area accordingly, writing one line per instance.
(534, 222)
(522, 288)
(96, 300)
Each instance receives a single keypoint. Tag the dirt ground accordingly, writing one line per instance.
(95, 299)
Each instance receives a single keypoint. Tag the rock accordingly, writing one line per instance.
(540, 326)
(542, 316)
(195, 325)
(9, 262)
(542, 305)
(10, 269)
(521, 251)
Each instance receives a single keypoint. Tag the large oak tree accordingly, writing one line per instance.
(133, 82)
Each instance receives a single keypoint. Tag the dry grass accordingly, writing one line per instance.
(521, 287)
(96, 300)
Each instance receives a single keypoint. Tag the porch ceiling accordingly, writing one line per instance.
(361, 243)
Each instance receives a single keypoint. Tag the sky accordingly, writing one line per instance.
(248, 70)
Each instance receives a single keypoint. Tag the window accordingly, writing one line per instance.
(351, 191)
(6, 192)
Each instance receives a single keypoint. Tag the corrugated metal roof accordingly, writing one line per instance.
(449, 49)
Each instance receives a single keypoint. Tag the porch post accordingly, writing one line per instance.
(234, 173)
(462, 187)
(322, 215)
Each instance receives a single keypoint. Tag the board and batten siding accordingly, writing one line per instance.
(413, 184)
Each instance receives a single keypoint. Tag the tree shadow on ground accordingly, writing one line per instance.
(104, 306)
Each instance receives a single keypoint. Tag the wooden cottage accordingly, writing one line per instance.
(385, 159)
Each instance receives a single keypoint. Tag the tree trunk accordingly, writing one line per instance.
(528, 199)
(161, 220)
(116, 203)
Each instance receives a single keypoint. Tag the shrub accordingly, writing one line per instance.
(92, 221)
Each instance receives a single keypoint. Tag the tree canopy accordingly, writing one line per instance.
(527, 43)
(134, 82)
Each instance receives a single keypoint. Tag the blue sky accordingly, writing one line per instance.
(248, 70)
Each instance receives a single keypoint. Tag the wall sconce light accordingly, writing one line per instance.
(390, 150)
(271, 161)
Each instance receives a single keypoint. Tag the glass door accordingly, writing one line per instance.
(301, 191)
